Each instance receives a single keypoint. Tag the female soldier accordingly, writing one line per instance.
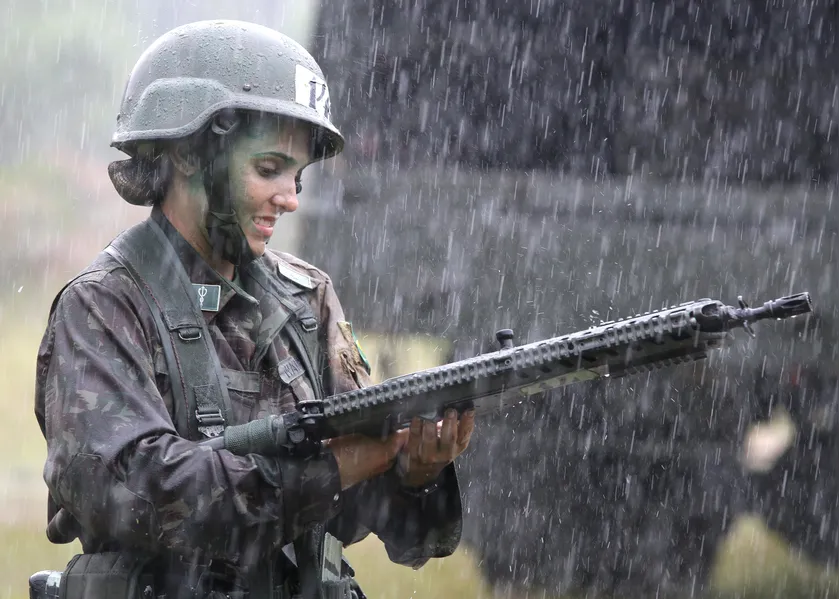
(186, 324)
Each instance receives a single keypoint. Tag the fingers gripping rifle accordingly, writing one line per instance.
(501, 379)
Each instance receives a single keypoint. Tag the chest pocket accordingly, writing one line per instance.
(244, 388)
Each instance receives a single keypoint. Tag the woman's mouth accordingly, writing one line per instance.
(264, 225)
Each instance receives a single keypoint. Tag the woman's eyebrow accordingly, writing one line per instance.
(289, 161)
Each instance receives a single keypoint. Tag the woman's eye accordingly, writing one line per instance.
(298, 184)
(266, 171)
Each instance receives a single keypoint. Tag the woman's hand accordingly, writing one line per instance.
(360, 457)
(433, 446)
(422, 450)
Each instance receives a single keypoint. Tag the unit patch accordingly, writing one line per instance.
(208, 296)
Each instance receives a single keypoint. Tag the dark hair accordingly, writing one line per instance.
(142, 180)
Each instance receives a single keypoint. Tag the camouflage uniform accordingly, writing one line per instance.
(117, 465)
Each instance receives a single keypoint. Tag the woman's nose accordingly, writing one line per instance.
(285, 197)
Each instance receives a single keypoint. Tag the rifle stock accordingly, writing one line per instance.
(504, 378)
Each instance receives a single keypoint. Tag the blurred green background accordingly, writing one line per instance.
(61, 76)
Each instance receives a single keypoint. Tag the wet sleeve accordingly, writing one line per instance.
(117, 464)
(414, 524)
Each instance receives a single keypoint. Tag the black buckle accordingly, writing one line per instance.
(309, 324)
(190, 334)
(213, 418)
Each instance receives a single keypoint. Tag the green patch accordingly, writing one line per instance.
(361, 353)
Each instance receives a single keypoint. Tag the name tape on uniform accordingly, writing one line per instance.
(311, 91)
(296, 276)
(290, 370)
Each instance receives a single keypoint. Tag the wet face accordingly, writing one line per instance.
(266, 161)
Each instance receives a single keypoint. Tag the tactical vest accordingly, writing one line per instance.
(191, 359)
(201, 402)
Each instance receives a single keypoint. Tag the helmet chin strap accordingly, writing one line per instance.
(224, 232)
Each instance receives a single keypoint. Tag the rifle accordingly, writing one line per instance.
(504, 378)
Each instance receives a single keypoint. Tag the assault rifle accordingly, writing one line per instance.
(504, 378)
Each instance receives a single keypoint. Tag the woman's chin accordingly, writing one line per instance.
(258, 247)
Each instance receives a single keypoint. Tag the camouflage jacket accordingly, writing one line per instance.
(116, 463)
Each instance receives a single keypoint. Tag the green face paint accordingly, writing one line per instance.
(195, 183)
(264, 159)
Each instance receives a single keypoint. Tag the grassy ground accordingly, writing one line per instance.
(752, 563)
(24, 548)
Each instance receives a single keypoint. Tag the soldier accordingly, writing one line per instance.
(187, 323)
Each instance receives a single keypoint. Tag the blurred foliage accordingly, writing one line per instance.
(25, 551)
(53, 224)
(61, 74)
(755, 562)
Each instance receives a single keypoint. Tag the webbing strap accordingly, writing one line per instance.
(302, 326)
(202, 403)
(302, 329)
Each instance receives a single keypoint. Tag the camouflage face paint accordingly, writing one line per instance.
(264, 162)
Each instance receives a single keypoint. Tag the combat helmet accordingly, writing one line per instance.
(197, 70)
(193, 81)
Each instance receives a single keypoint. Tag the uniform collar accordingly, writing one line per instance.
(197, 268)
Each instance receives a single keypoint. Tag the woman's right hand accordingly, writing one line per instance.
(360, 457)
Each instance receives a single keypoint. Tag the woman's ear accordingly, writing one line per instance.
(184, 160)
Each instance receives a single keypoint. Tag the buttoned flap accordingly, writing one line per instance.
(244, 389)
(242, 380)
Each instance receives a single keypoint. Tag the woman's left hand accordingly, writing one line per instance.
(432, 446)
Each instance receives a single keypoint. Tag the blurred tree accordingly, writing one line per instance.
(292, 18)
(61, 75)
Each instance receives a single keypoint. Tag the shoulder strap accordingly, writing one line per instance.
(302, 328)
(202, 404)
(302, 325)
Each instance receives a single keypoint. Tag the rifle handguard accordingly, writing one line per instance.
(504, 378)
